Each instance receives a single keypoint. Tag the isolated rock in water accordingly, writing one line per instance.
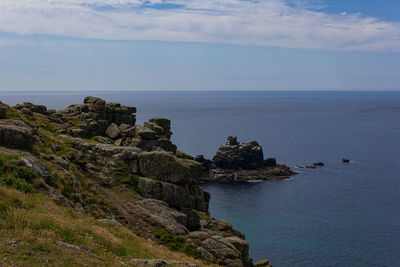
(3, 112)
(16, 134)
(345, 160)
(234, 155)
(319, 164)
(113, 131)
(262, 263)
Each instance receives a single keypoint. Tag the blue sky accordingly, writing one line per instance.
(199, 45)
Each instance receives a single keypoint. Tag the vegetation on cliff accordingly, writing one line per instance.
(87, 186)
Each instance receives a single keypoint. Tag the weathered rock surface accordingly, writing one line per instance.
(169, 168)
(159, 185)
(166, 217)
(235, 155)
(16, 134)
(236, 161)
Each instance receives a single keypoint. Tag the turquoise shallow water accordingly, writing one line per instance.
(337, 215)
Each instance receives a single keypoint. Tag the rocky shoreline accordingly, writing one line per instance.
(94, 158)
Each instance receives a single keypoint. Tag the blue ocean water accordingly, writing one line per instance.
(337, 215)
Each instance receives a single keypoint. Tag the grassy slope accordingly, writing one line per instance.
(31, 226)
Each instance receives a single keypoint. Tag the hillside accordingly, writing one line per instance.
(87, 186)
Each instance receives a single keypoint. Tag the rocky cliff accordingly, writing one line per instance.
(93, 158)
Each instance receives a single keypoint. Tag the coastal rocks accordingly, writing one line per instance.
(236, 161)
(164, 216)
(262, 263)
(16, 134)
(234, 155)
(95, 116)
(168, 168)
(345, 160)
(28, 108)
(113, 131)
(188, 196)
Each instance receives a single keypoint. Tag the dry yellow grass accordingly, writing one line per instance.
(31, 227)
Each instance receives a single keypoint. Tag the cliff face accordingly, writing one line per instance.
(92, 157)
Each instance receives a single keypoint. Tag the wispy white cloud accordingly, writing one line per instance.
(262, 22)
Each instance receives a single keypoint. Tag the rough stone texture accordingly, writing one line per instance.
(16, 134)
(192, 197)
(144, 132)
(38, 167)
(236, 161)
(166, 217)
(167, 167)
(3, 112)
(113, 131)
(234, 155)
(240, 244)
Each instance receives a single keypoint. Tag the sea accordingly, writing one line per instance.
(336, 215)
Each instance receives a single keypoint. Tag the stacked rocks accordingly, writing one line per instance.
(235, 155)
(28, 108)
(155, 134)
(236, 161)
(94, 117)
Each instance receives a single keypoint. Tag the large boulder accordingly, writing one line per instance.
(169, 168)
(16, 134)
(192, 197)
(113, 131)
(235, 155)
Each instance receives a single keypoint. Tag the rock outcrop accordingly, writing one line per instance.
(16, 134)
(94, 158)
(236, 161)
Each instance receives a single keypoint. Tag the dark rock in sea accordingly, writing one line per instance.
(236, 161)
(345, 160)
(234, 155)
(319, 164)
(262, 263)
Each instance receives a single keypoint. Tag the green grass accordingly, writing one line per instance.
(31, 226)
(13, 174)
(175, 242)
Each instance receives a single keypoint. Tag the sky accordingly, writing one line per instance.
(199, 45)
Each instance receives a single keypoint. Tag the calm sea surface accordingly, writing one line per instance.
(337, 215)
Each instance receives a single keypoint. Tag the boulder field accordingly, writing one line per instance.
(93, 158)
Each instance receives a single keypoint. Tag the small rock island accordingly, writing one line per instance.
(236, 161)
